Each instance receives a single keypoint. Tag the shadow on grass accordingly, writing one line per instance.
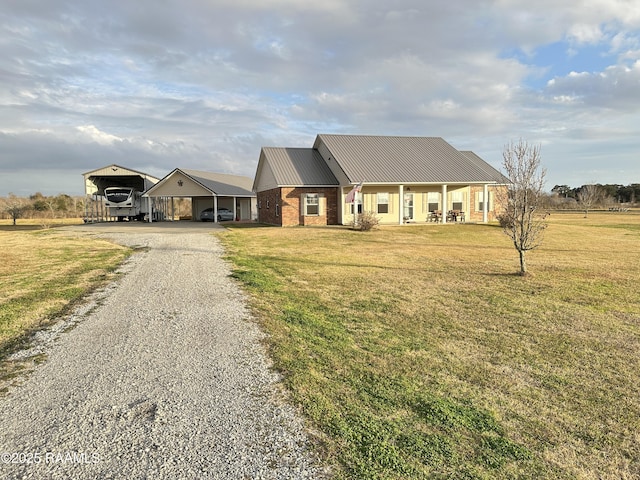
(20, 228)
(239, 225)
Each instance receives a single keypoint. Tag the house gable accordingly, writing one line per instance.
(178, 184)
(264, 179)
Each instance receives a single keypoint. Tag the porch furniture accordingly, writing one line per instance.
(455, 215)
(435, 216)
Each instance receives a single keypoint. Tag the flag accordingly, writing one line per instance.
(351, 196)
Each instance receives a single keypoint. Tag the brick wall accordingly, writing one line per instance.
(269, 203)
(281, 206)
(495, 206)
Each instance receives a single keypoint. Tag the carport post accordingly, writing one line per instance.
(215, 208)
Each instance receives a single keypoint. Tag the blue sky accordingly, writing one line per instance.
(204, 84)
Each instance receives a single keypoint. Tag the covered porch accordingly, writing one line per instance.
(423, 203)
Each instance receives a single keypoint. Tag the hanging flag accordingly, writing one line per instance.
(351, 196)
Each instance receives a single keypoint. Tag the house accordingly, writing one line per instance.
(402, 179)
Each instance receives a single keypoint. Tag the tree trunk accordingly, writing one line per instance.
(523, 264)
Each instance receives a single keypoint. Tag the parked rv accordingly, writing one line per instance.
(125, 203)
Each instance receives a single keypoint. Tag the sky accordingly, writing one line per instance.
(154, 85)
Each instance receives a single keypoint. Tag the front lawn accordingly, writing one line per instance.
(417, 352)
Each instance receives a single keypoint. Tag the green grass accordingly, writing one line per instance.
(418, 352)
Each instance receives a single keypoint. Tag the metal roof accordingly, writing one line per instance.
(394, 159)
(298, 167)
(222, 184)
(474, 157)
(116, 176)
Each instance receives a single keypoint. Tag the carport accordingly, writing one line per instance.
(208, 190)
(113, 175)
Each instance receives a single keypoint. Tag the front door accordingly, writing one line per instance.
(407, 213)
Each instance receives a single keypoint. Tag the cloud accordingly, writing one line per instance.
(201, 84)
(615, 89)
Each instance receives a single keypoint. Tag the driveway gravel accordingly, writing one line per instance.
(163, 375)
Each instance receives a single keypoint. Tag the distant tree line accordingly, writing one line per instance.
(41, 206)
(609, 193)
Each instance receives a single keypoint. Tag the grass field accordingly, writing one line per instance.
(417, 352)
(42, 272)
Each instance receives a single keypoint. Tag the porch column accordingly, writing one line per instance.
(444, 203)
(401, 214)
(150, 209)
(235, 208)
(485, 203)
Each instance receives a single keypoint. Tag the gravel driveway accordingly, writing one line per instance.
(163, 376)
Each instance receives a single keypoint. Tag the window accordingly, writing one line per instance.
(433, 201)
(311, 204)
(480, 208)
(383, 202)
(277, 210)
(457, 200)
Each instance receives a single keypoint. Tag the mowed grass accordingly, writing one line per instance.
(42, 272)
(417, 352)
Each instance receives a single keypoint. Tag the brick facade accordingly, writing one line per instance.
(495, 206)
(282, 206)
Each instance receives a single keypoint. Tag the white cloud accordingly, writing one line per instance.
(95, 135)
(205, 84)
(585, 33)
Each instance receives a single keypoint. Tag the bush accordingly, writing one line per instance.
(367, 221)
(506, 221)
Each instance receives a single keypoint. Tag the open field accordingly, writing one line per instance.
(36, 223)
(42, 272)
(417, 352)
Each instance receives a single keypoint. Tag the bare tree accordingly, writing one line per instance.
(523, 219)
(590, 195)
(15, 206)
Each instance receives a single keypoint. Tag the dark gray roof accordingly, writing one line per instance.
(222, 184)
(298, 167)
(392, 159)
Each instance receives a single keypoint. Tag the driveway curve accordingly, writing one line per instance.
(163, 377)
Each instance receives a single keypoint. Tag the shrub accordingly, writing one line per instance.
(506, 221)
(367, 221)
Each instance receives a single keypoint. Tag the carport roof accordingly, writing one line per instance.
(218, 184)
(117, 176)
